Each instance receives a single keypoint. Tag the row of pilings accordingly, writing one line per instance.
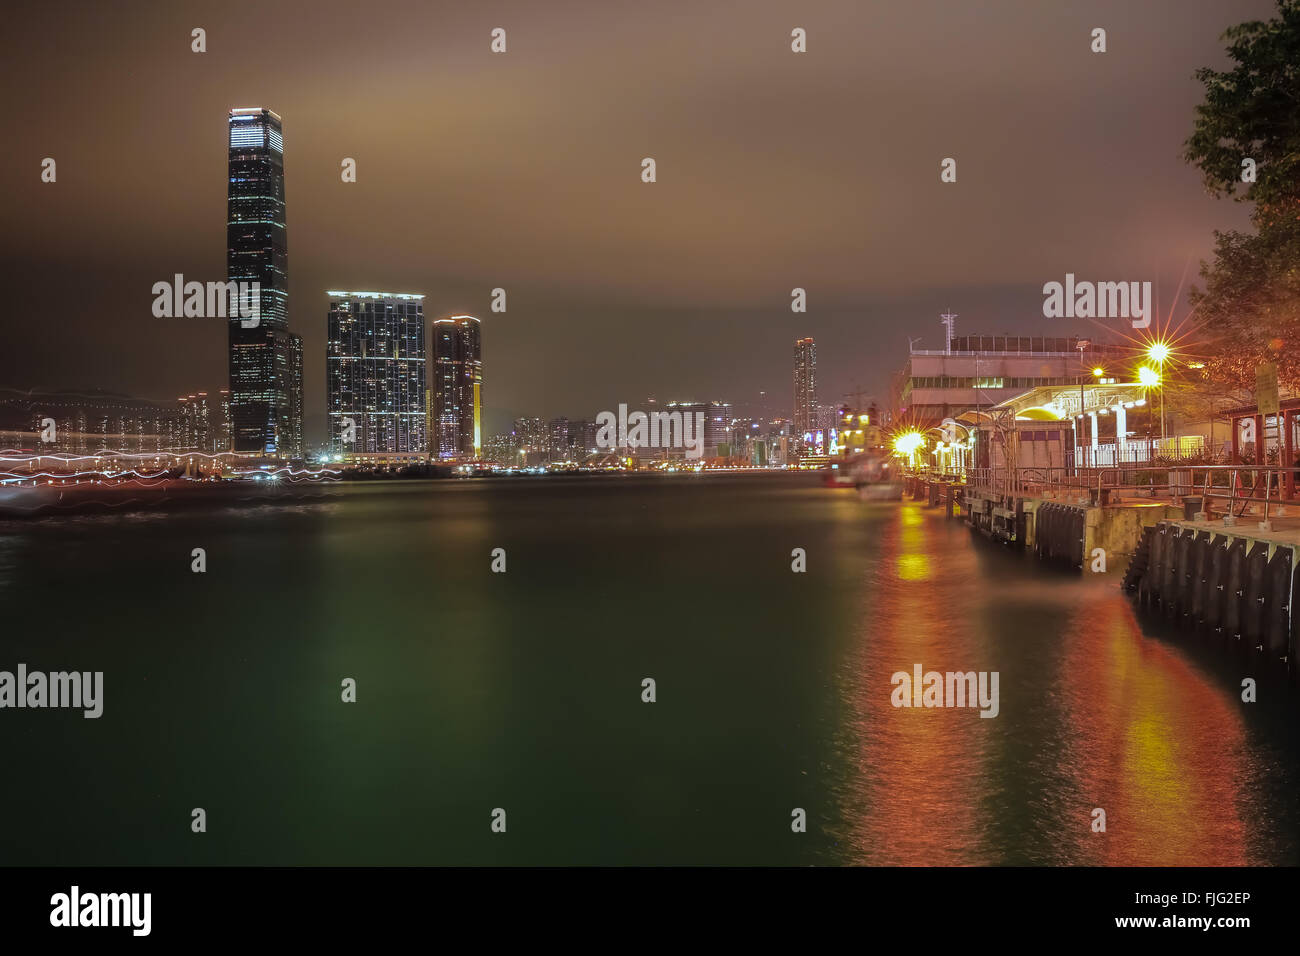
(945, 492)
(1229, 585)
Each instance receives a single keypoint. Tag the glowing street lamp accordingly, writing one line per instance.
(1150, 378)
(907, 444)
(1158, 352)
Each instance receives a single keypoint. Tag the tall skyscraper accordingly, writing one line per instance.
(266, 358)
(375, 372)
(805, 387)
(455, 399)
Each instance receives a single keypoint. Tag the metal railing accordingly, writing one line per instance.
(1236, 486)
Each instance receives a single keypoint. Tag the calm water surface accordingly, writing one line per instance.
(523, 690)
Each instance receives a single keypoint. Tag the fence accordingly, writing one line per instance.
(1236, 487)
(1135, 451)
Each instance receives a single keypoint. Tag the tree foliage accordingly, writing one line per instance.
(1250, 306)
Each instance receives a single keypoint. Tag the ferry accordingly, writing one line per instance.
(870, 471)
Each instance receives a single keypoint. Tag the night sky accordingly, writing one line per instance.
(522, 170)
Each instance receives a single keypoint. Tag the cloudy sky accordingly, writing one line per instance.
(523, 170)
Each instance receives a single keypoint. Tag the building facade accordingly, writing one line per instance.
(265, 357)
(530, 441)
(88, 423)
(981, 371)
(455, 392)
(805, 387)
(375, 373)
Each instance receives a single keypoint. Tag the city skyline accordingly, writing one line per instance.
(733, 435)
(650, 263)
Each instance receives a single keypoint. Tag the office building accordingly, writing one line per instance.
(375, 373)
(265, 358)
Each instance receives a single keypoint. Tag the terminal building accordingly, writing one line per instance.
(977, 372)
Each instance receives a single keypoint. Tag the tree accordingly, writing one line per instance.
(1251, 301)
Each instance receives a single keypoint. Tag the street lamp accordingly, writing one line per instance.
(1158, 352)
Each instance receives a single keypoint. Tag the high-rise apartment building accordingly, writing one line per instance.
(455, 390)
(557, 440)
(375, 373)
(530, 441)
(805, 387)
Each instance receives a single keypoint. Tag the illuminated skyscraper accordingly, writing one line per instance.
(374, 372)
(265, 358)
(455, 400)
(805, 387)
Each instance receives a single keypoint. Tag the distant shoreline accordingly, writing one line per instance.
(31, 502)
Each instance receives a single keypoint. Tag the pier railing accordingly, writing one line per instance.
(1235, 488)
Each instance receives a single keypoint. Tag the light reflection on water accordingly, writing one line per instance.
(477, 689)
(1094, 714)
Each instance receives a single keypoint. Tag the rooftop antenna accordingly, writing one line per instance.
(948, 319)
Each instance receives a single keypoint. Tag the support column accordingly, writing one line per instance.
(1288, 455)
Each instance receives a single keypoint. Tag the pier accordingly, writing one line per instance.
(1211, 548)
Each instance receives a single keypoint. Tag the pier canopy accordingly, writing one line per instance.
(1062, 403)
(1097, 424)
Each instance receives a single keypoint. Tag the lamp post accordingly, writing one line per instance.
(1149, 378)
(1158, 352)
(1081, 345)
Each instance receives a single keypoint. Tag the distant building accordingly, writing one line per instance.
(500, 450)
(806, 413)
(530, 441)
(455, 390)
(265, 359)
(760, 441)
(980, 371)
(375, 373)
(582, 438)
(558, 446)
(87, 423)
(221, 429)
(297, 435)
(194, 424)
(717, 429)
